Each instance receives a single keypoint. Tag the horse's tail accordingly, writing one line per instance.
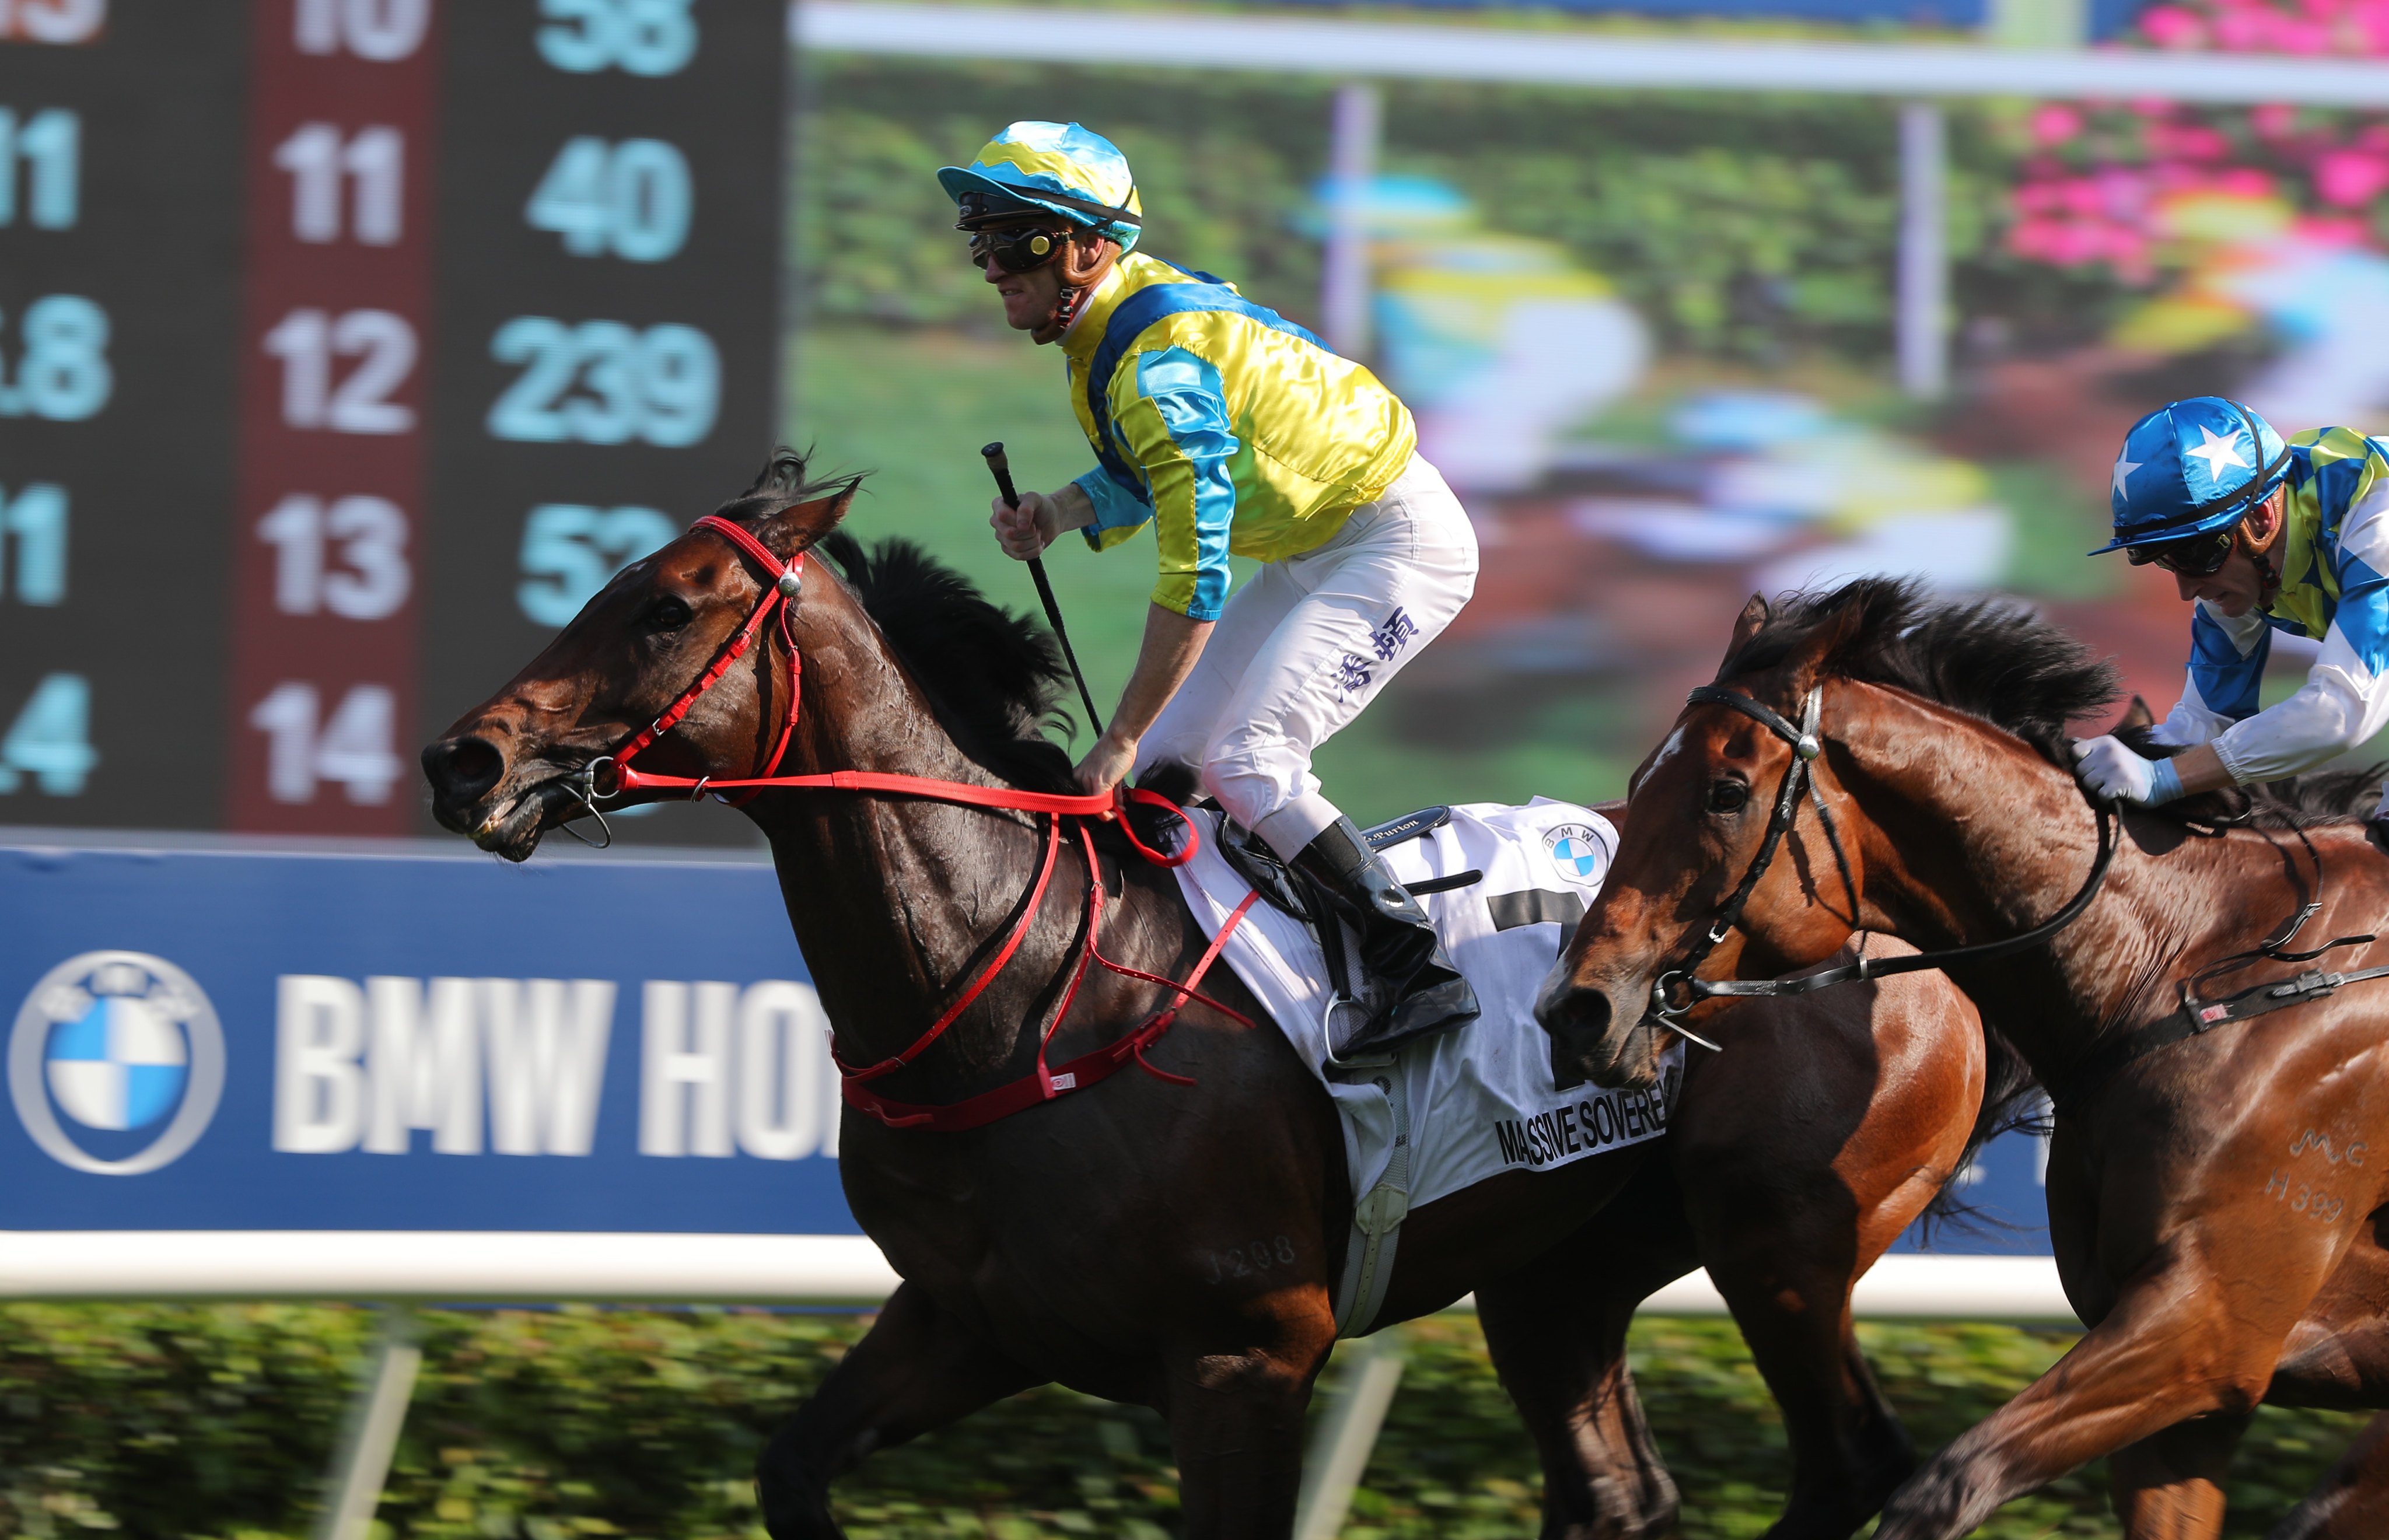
(2011, 1099)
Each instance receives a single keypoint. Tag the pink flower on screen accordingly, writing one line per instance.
(2334, 230)
(2350, 178)
(2173, 27)
(2055, 125)
(2243, 182)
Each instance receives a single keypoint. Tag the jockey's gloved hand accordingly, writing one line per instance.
(2110, 769)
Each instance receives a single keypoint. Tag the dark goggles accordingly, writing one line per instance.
(1015, 250)
(2194, 556)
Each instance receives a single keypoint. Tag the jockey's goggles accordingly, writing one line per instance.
(1015, 250)
(2193, 557)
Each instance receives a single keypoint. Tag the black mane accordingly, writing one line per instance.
(1991, 658)
(993, 677)
(1996, 660)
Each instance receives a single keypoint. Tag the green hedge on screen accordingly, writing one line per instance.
(153, 1421)
(1744, 226)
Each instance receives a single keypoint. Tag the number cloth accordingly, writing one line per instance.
(1234, 431)
(1307, 642)
(2333, 591)
(1454, 1108)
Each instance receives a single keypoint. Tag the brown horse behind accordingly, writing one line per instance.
(2215, 1198)
(1170, 1245)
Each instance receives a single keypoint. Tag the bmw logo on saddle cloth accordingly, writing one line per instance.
(2192, 466)
(116, 1063)
(1576, 850)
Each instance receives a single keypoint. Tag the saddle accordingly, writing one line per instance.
(1292, 894)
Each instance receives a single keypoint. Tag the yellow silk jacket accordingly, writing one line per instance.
(1231, 428)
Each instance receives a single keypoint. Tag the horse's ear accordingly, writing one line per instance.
(2137, 714)
(1745, 626)
(797, 526)
(1861, 605)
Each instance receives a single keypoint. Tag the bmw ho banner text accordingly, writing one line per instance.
(201, 1040)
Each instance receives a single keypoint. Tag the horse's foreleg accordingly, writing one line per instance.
(1556, 1329)
(2352, 1502)
(2338, 1357)
(1788, 1283)
(1789, 1216)
(2179, 1343)
(916, 1368)
(2168, 1486)
(1235, 1402)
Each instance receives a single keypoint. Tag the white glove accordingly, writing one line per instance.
(2163, 732)
(2113, 771)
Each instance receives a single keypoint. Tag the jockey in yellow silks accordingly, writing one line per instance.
(1229, 429)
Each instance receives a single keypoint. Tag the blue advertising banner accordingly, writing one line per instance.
(2002, 1207)
(211, 1040)
(214, 1040)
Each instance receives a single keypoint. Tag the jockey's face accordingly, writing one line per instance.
(1032, 300)
(1029, 298)
(2251, 571)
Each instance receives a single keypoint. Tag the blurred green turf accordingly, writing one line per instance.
(215, 1421)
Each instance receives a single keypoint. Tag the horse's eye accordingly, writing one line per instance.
(1728, 796)
(669, 613)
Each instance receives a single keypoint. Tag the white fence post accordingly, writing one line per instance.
(1352, 165)
(1340, 1453)
(369, 1440)
(1923, 319)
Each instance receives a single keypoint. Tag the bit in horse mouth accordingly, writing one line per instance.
(512, 826)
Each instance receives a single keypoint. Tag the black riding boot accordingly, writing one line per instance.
(1397, 945)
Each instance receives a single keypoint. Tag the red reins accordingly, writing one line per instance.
(785, 581)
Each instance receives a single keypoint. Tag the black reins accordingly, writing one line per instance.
(2200, 1014)
(1806, 746)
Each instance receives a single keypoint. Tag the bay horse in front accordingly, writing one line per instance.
(1061, 1118)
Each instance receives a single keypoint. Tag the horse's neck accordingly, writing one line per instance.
(895, 900)
(1994, 840)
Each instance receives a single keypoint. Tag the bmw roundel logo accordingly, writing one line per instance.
(116, 1063)
(1580, 853)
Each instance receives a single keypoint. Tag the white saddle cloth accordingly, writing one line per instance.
(1480, 1098)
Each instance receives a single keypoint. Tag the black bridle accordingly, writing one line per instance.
(1806, 746)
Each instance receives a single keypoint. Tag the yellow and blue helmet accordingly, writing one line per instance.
(2191, 467)
(1056, 168)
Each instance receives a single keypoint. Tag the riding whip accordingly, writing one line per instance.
(1001, 470)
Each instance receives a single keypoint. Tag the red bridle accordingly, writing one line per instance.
(785, 580)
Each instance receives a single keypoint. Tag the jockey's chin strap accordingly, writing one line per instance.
(1806, 744)
(785, 582)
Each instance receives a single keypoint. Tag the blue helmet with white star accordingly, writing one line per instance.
(2191, 467)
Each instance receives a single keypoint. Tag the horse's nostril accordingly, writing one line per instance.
(1588, 1011)
(463, 770)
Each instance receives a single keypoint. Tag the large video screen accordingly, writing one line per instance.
(1651, 336)
(346, 347)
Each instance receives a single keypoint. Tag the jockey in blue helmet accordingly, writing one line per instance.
(2263, 535)
(1228, 430)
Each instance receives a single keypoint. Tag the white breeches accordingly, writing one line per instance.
(1306, 643)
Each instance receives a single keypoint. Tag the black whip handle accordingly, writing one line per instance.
(1002, 470)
